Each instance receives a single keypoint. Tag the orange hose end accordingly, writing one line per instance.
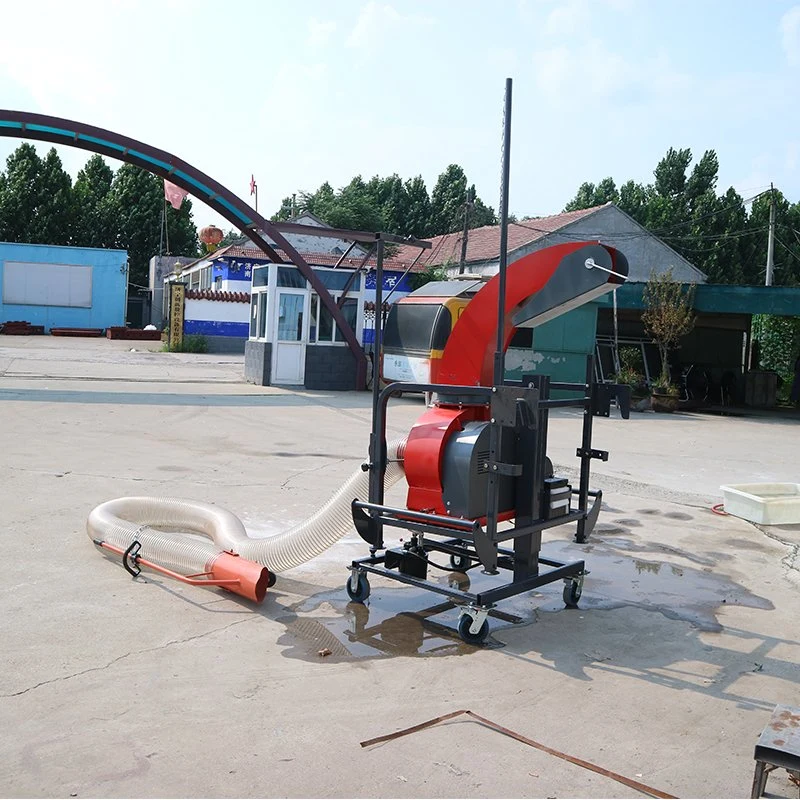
(253, 578)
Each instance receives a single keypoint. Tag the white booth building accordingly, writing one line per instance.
(293, 338)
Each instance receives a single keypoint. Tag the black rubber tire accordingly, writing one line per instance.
(362, 590)
(459, 563)
(572, 594)
(271, 580)
(472, 638)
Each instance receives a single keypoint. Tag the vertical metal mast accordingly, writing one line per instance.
(499, 355)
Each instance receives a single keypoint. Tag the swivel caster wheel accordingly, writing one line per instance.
(459, 563)
(572, 593)
(361, 592)
(464, 632)
(271, 580)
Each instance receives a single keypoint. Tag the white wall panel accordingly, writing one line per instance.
(32, 284)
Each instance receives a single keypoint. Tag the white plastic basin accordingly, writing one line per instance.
(764, 503)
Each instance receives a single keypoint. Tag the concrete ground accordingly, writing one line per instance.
(686, 638)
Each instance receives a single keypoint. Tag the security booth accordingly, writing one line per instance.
(293, 339)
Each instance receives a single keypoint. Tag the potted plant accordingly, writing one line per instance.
(667, 318)
(631, 366)
(628, 376)
(664, 395)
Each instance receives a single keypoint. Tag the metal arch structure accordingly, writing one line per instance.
(26, 125)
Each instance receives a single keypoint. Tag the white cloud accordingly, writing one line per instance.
(790, 35)
(379, 23)
(593, 72)
(320, 31)
(568, 18)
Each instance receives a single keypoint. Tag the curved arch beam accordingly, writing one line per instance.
(25, 125)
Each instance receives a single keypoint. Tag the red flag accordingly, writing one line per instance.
(252, 184)
(174, 194)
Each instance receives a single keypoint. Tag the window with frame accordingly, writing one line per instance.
(253, 315)
(262, 315)
(322, 328)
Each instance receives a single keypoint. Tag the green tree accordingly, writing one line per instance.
(779, 345)
(480, 214)
(20, 194)
(590, 195)
(714, 232)
(320, 202)
(418, 211)
(55, 211)
(787, 241)
(702, 183)
(447, 200)
(36, 203)
(93, 223)
(284, 212)
(667, 315)
(231, 237)
(633, 200)
(430, 273)
(670, 173)
(355, 208)
(390, 197)
(135, 203)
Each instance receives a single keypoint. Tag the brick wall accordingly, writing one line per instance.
(258, 363)
(330, 368)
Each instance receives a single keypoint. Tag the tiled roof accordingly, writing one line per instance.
(315, 259)
(483, 244)
(212, 294)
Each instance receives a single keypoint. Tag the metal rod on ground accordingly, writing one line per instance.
(615, 776)
(499, 355)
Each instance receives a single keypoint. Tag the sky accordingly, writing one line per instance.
(300, 93)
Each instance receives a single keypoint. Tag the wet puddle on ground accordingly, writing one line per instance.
(406, 621)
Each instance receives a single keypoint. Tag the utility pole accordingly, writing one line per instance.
(294, 207)
(771, 238)
(468, 203)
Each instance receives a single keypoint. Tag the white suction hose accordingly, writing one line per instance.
(125, 520)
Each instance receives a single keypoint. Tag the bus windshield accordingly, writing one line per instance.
(416, 328)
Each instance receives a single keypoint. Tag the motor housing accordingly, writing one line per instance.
(465, 471)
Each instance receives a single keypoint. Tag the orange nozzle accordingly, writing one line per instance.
(252, 578)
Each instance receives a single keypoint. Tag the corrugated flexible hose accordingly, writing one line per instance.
(153, 522)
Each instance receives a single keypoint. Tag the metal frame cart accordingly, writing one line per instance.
(508, 467)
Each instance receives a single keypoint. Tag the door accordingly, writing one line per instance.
(289, 356)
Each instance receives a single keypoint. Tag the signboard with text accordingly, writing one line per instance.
(177, 304)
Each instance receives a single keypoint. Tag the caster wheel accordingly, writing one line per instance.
(271, 580)
(459, 563)
(572, 594)
(361, 592)
(472, 638)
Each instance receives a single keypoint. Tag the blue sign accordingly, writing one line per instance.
(391, 280)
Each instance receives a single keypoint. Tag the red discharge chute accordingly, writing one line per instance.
(468, 356)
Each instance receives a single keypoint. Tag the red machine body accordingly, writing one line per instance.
(468, 354)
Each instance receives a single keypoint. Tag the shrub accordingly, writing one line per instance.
(193, 343)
